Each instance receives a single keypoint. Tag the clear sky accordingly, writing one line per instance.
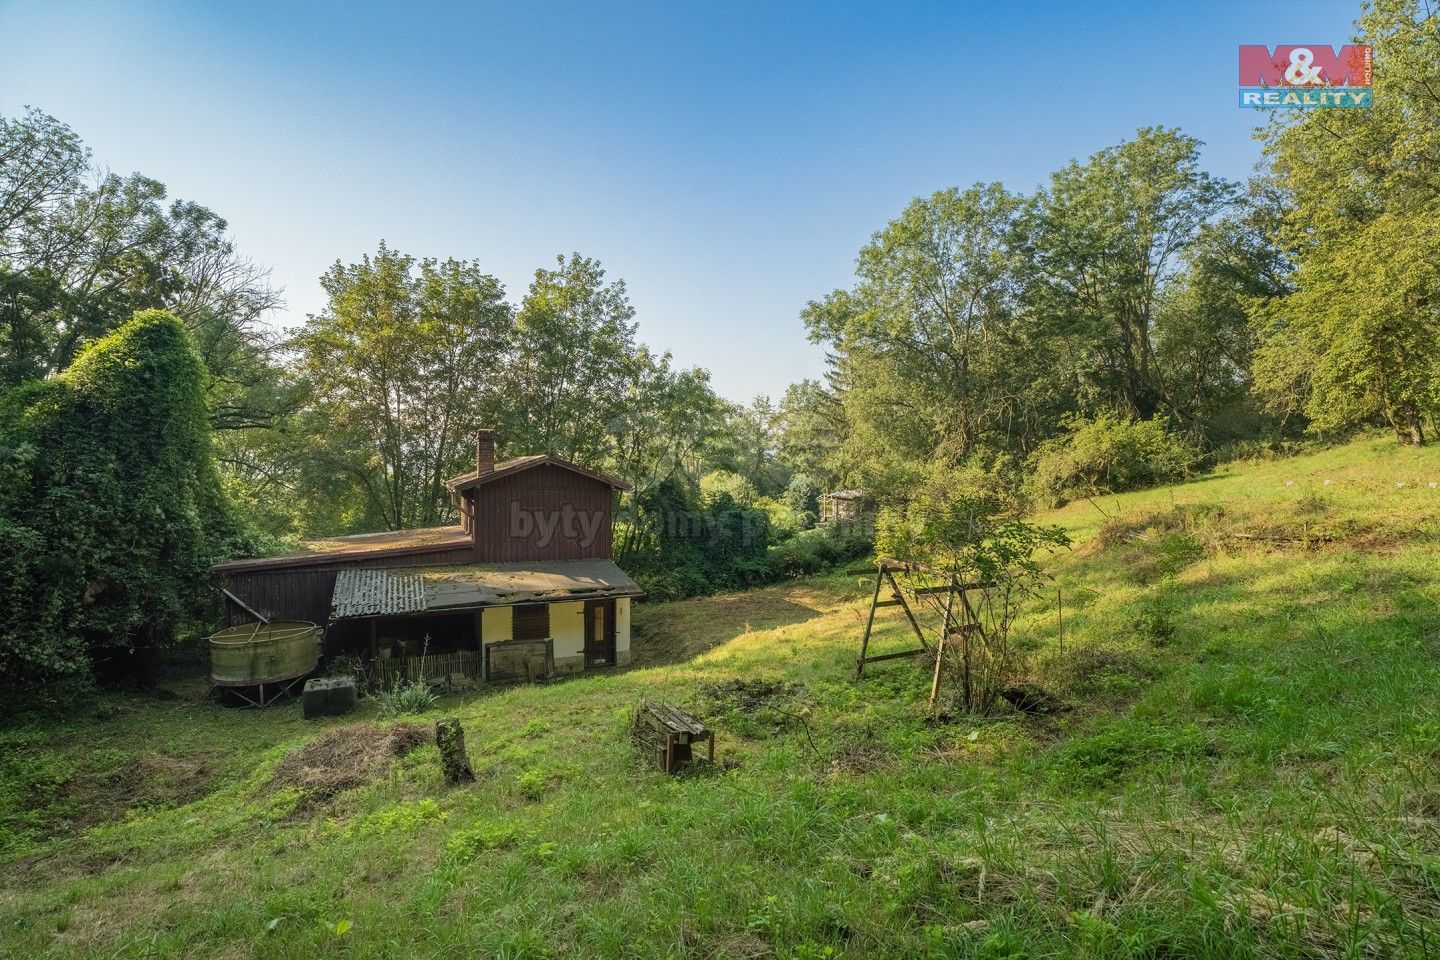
(727, 160)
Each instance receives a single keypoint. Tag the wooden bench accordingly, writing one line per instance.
(667, 735)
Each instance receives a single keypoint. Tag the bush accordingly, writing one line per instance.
(812, 551)
(723, 483)
(407, 698)
(1108, 455)
(689, 548)
(802, 496)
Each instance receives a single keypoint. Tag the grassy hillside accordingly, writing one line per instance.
(1249, 768)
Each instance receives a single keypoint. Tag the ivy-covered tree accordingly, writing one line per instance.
(110, 506)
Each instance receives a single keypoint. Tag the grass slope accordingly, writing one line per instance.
(1250, 769)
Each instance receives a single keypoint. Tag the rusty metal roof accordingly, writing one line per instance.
(370, 593)
(363, 546)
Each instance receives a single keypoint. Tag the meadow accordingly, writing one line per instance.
(1246, 767)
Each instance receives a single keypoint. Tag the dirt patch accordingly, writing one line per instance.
(858, 758)
(348, 757)
(748, 696)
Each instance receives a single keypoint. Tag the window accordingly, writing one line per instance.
(532, 622)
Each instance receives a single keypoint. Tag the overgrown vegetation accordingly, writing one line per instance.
(406, 698)
(1107, 455)
(1246, 770)
(110, 507)
(962, 542)
(1101, 335)
(1088, 338)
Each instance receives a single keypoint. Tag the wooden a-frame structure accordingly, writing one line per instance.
(885, 571)
(962, 622)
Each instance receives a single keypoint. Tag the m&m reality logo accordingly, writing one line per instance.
(1306, 76)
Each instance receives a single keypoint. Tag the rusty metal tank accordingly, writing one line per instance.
(260, 654)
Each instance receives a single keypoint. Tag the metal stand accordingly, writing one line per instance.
(277, 688)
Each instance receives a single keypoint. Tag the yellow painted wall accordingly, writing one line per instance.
(496, 624)
(567, 628)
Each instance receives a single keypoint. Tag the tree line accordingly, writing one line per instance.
(1137, 314)
(1133, 317)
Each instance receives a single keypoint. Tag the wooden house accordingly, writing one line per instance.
(524, 585)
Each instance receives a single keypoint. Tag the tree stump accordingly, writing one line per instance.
(454, 761)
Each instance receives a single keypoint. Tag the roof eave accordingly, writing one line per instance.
(336, 556)
(469, 481)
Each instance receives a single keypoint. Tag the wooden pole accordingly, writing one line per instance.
(869, 622)
(972, 622)
(246, 607)
(914, 624)
(940, 648)
(935, 680)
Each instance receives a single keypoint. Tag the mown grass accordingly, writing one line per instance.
(1249, 769)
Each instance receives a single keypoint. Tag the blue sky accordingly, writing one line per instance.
(727, 160)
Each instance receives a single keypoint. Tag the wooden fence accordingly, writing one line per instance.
(435, 667)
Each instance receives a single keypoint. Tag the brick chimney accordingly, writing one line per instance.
(484, 451)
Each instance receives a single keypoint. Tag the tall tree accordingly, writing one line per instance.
(1102, 239)
(937, 358)
(665, 421)
(813, 429)
(1356, 339)
(565, 381)
(81, 250)
(402, 366)
(1204, 340)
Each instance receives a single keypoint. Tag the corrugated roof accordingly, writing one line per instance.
(501, 584)
(370, 593)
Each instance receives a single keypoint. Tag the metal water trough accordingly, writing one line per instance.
(260, 662)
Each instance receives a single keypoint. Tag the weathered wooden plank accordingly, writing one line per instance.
(895, 656)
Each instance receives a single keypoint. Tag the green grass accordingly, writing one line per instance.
(1251, 768)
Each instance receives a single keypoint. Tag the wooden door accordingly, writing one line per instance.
(599, 633)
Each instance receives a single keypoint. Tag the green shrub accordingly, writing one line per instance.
(802, 496)
(407, 698)
(723, 483)
(821, 548)
(1107, 455)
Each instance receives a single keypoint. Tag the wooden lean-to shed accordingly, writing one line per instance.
(842, 505)
(523, 586)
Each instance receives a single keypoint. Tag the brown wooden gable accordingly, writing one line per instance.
(546, 511)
